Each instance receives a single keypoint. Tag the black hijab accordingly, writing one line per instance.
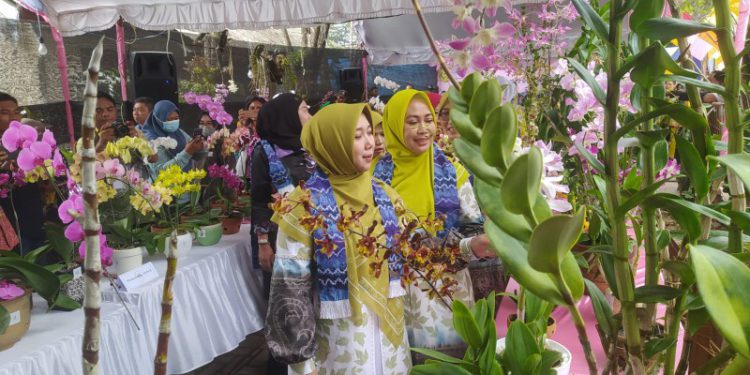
(278, 122)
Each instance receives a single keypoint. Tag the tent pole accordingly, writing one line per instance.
(120, 31)
(62, 66)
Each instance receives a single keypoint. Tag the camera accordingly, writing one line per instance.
(121, 130)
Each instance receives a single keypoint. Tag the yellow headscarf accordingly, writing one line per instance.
(329, 138)
(377, 119)
(413, 175)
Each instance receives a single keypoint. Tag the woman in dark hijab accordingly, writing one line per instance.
(164, 122)
(279, 163)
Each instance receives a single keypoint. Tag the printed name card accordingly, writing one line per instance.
(137, 277)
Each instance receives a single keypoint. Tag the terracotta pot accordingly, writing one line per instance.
(20, 312)
(187, 217)
(220, 205)
(231, 224)
(158, 229)
(551, 323)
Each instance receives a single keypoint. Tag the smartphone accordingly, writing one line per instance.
(198, 133)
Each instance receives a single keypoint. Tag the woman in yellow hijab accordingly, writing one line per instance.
(430, 186)
(354, 323)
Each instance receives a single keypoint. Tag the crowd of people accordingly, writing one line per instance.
(321, 307)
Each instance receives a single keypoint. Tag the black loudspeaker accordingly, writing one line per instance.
(154, 74)
(351, 80)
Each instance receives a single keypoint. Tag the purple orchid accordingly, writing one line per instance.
(105, 252)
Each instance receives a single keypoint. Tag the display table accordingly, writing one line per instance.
(217, 303)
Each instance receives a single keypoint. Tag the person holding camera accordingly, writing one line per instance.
(105, 118)
(164, 121)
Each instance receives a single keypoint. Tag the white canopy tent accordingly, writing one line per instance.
(75, 17)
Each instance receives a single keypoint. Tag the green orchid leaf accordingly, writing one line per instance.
(587, 77)
(602, 310)
(471, 157)
(552, 240)
(737, 163)
(592, 19)
(487, 97)
(44, 282)
(651, 64)
(457, 101)
(440, 356)
(519, 345)
(694, 166)
(636, 199)
(696, 320)
(469, 85)
(656, 294)
(515, 257)
(723, 284)
(463, 125)
(681, 269)
(668, 28)
(465, 325)
(708, 86)
(512, 224)
(520, 186)
(499, 137)
(644, 10)
(439, 369)
(656, 346)
(590, 158)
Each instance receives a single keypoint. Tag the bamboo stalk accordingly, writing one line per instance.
(623, 271)
(165, 325)
(91, 226)
(725, 38)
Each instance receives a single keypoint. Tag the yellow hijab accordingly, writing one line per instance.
(377, 119)
(413, 175)
(329, 138)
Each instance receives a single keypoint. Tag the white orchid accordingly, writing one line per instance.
(388, 84)
(166, 143)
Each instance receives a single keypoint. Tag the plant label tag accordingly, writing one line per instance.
(77, 272)
(200, 233)
(15, 318)
(137, 277)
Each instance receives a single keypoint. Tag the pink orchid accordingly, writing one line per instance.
(49, 138)
(34, 156)
(105, 252)
(58, 164)
(71, 208)
(471, 25)
(203, 101)
(214, 107)
(480, 62)
(224, 118)
(671, 169)
(18, 135)
(74, 232)
(9, 291)
(190, 97)
(459, 44)
(113, 168)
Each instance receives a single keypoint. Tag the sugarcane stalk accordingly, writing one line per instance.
(725, 39)
(162, 345)
(623, 271)
(91, 227)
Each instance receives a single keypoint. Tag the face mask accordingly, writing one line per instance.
(171, 126)
(207, 131)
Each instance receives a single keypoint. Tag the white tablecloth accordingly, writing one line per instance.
(217, 303)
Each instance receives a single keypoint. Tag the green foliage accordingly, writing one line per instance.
(666, 29)
(41, 280)
(723, 282)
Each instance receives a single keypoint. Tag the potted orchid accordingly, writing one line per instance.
(227, 187)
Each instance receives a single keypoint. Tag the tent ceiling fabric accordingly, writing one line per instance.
(400, 40)
(75, 17)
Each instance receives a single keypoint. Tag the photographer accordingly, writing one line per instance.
(107, 128)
